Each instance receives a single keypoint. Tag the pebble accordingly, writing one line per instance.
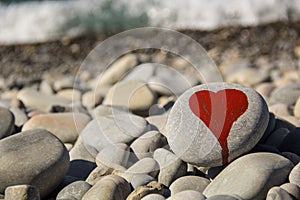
(145, 145)
(171, 167)
(120, 128)
(279, 109)
(277, 137)
(294, 176)
(189, 183)
(81, 151)
(261, 171)
(270, 128)
(151, 188)
(66, 126)
(291, 142)
(98, 173)
(153, 197)
(70, 94)
(113, 156)
(224, 197)
(22, 192)
(265, 89)
(169, 81)
(194, 142)
(248, 76)
(19, 115)
(142, 72)
(281, 123)
(287, 94)
(277, 193)
(33, 157)
(40, 101)
(294, 158)
(297, 108)
(292, 189)
(46, 87)
(187, 195)
(111, 187)
(133, 94)
(138, 180)
(63, 83)
(91, 99)
(159, 121)
(103, 110)
(115, 72)
(75, 190)
(144, 166)
(7, 122)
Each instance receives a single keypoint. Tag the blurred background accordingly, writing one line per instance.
(39, 36)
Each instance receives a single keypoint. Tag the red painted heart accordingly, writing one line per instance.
(218, 111)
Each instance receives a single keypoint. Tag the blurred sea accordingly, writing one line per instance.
(40, 21)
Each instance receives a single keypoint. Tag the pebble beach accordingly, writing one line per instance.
(151, 128)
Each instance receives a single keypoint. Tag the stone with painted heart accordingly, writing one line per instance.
(212, 124)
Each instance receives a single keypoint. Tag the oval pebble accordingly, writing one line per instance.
(193, 128)
(291, 142)
(277, 193)
(144, 166)
(224, 197)
(34, 157)
(74, 190)
(297, 108)
(261, 171)
(286, 94)
(111, 187)
(189, 183)
(153, 197)
(65, 126)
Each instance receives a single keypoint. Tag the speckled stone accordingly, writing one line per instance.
(74, 190)
(22, 192)
(187, 195)
(294, 176)
(191, 140)
(277, 193)
(262, 170)
(292, 189)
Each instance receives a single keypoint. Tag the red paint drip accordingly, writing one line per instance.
(218, 111)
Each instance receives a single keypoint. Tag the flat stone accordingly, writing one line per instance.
(145, 145)
(65, 126)
(113, 156)
(74, 190)
(111, 187)
(194, 134)
(171, 167)
(7, 122)
(40, 101)
(151, 188)
(291, 142)
(133, 94)
(138, 180)
(294, 176)
(277, 137)
(144, 166)
(292, 189)
(115, 72)
(277, 193)
(261, 171)
(187, 195)
(153, 197)
(112, 129)
(195, 183)
(22, 192)
(159, 121)
(34, 157)
(19, 115)
(287, 94)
